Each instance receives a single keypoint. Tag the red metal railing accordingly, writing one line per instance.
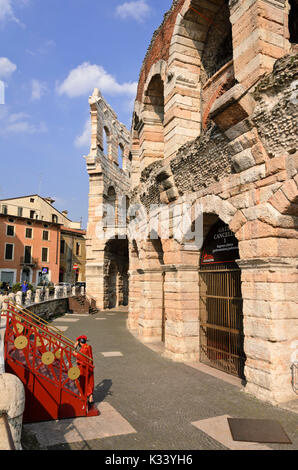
(45, 361)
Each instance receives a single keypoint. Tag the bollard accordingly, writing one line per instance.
(12, 403)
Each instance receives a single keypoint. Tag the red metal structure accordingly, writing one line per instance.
(44, 360)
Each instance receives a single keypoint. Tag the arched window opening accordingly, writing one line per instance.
(218, 48)
(154, 100)
(293, 21)
(111, 203)
(152, 131)
(120, 155)
(106, 141)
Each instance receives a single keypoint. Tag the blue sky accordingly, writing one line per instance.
(52, 54)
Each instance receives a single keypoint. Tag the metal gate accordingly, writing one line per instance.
(221, 319)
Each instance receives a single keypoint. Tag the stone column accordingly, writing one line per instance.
(150, 318)
(57, 292)
(182, 313)
(259, 37)
(47, 294)
(37, 296)
(19, 299)
(28, 299)
(269, 291)
(12, 402)
(135, 297)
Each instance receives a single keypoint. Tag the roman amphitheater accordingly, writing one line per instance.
(213, 134)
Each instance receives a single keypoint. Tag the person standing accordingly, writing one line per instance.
(87, 370)
(24, 291)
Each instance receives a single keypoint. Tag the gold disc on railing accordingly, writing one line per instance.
(47, 358)
(74, 373)
(18, 328)
(21, 342)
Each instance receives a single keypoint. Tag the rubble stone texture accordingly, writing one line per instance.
(214, 123)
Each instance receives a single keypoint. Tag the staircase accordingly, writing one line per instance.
(45, 361)
(81, 305)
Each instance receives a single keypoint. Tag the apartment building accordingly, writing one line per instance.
(30, 238)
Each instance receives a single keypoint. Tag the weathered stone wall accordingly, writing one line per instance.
(50, 309)
(107, 182)
(227, 142)
(242, 169)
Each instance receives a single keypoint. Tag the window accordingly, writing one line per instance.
(28, 233)
(54, 218)
(78, 248)
(29, 223)
(32, 199)
(62, 246)
(45, 235)
(4, 209)
(9, 249)
(10, 230)
(27, 254)
(44, 254)
(20, 211)
(32, 213)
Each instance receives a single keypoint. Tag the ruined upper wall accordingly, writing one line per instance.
(205, 55)
(109, 136)
(160, 44)
(234, 157)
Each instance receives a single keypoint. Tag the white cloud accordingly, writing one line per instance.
(17, 117)
(7, 10)
(6, 67)
(138, 10)
(25, 127)
(86, 77)
(84, 139)
(38, 90)
(20, 123)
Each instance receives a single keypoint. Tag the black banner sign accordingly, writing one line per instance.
(221, 245)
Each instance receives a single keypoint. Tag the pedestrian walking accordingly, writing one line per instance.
(86, 370)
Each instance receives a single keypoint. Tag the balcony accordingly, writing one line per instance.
(28, 261)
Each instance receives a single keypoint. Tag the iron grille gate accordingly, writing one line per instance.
(221, 318)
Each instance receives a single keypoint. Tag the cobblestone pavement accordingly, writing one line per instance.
(157, 402)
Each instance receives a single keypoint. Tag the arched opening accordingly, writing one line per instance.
(293, 21)
(116, 278)
(111, 208)
(152, 132)
(26, 275)
(218, 48)
(221, 305)
(120, 155)
(106, 142)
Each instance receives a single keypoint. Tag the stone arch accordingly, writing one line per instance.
(151, 133)
(194, 58)
(116, 286)
(111, 201)
(107, 140)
